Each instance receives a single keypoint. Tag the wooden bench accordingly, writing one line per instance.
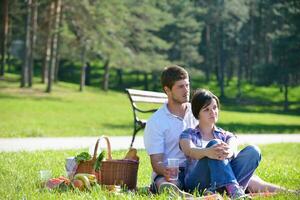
(142, 96)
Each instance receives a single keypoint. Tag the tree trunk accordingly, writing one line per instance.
(57, 56)
(222, 61)
(51, 35)
(56, 9)
(240, 72)
(28, 49)
(207, 53)
(146, 81)
(106, 76)
(120, 77)
(54, 49)
(83, 67)
(56, 68)
(270, 54)
(217, 57)
(88, 74)
(45, 68)
(155, 80)
(33, 22)
(9, 42)
(251, 46)
(4, 33)
(286, 86)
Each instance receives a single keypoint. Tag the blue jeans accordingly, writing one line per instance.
(213, 174)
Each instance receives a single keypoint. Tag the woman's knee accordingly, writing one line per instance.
(253, 152)
(213, 142)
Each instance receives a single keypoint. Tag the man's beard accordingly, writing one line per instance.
(180, 100)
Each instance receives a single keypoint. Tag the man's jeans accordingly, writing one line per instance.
(212, 174)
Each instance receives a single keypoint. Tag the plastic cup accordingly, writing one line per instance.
(71, 167)
(173, 166)
(45, 175)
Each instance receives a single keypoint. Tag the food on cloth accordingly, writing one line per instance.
(60, 182)
(78, 184)
(88, 180)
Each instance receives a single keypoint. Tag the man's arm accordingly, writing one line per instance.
(157, 164)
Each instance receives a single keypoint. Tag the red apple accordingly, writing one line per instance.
(78, 184)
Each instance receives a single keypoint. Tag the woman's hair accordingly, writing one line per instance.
(201, 99)
(172, 74)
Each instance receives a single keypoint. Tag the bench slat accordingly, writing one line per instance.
(134, 92)
(148, 99)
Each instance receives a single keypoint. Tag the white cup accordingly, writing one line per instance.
(71, 167)
(45, 175)
(173, 166)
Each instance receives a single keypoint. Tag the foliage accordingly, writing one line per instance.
(99, 159)
(239, 38)
(20, 176)
(83, 156)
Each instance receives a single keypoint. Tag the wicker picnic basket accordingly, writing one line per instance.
(113, 171)
(88, 166)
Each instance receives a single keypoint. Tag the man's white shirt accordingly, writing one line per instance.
(163, 130)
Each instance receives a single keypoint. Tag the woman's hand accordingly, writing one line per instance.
(218, 151)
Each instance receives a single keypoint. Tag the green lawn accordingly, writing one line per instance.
(67, 112)
(19, 173)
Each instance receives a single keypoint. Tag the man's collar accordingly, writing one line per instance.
(166, 109)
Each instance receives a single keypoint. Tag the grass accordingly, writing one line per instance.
(30, 112)
(19, 173)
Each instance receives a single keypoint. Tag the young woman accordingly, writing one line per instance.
(213, 163)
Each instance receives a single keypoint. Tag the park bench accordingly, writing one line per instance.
(142, 96)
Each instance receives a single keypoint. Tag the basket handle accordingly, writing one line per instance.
(108, 156)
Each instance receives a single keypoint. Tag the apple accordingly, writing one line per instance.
(78, 184)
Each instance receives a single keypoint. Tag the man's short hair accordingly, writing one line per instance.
(172, 74)
(201, 99)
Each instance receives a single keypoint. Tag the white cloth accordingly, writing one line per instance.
(163, 130)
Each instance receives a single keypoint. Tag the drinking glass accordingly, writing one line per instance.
(173, 166)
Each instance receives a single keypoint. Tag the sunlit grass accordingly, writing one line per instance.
(19, 173)
(30, 112)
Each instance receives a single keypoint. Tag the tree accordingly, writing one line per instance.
(184, 33)
(28, 48)
(32, 39)
(282, 63)
(31, 23)
(4, 34)
(55, 12)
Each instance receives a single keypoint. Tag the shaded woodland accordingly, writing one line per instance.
(253, 41)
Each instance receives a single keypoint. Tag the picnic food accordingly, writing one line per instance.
(87, 179)
(60, 182)
(97, 164)
(83, 156)
(132, 154)
(84, 179)
(78, 184)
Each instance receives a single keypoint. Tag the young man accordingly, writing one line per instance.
(163, 129)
